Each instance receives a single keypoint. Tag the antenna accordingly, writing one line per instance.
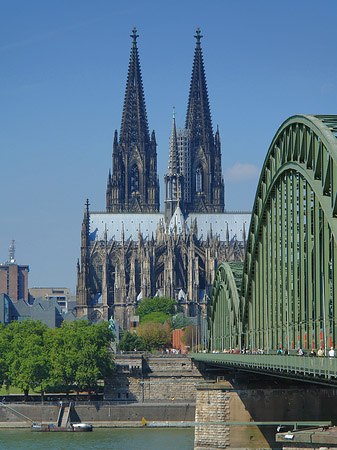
(12, 253)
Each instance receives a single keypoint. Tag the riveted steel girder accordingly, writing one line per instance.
(289, 284)
(224, 321)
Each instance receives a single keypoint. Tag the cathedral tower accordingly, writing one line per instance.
(129, 253)
(207, 185)
(133, 184)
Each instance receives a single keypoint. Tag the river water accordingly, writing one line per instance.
(100, 439)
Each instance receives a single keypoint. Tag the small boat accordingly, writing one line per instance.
(82, 426)
(53, 428)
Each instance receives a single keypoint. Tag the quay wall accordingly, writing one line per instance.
(100, 414)
(152, 378)
(159, 388)
(219, 405)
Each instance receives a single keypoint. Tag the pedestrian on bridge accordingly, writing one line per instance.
(332, 352)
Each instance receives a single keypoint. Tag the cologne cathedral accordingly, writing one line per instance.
(134, 251)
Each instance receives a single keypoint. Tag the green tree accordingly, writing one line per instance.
(156, 316)
(95, 360)
(163, 305)
(81, 354)
(63, 354)
(131, 341)
(4, 350)
(155, 335)
(27, 359)
(191, 336)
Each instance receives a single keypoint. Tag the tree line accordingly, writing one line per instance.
(74, 356)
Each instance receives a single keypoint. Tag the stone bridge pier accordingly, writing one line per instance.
(229, 412)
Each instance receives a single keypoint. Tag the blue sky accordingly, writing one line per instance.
(62, 80)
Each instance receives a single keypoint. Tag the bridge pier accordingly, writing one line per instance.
(233, 413)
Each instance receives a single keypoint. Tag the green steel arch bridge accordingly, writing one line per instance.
(287, 297)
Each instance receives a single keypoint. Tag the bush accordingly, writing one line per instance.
(131, 341)
(163, 305)
(155, 335)
(191, 336)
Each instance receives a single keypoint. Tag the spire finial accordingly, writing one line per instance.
(198, 36)
(87, 204)
(134, 35)
(174, 112)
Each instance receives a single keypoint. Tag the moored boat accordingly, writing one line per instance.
(82, 426)
(53, 428)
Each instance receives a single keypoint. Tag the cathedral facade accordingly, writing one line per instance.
(134, 251)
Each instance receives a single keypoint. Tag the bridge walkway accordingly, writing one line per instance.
(312, 369)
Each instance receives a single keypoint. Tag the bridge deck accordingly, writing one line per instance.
(315, 369)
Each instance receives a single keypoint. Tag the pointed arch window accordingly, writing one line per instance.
(199, 179)
(122, 174)
(174, 188)
(97, 273)
(134, 179)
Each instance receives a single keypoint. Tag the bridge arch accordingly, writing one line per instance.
(289, 284)
(224, 321)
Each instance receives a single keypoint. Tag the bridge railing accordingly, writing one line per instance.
(294, 366)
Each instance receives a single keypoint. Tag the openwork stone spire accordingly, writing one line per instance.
(133, 184)
(134, 127)
(174, 165)
(198, 119)
(205, 175)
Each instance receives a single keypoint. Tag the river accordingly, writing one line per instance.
(100, 439)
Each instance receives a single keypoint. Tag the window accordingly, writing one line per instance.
(134, 180)
(198, 179)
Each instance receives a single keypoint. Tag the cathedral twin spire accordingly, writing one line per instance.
(198, 150)
(133, 185)
(198, 119)
(134, 127)
(195, 155)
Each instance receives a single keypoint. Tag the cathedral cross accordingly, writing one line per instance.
(198, 36)
(134, 35)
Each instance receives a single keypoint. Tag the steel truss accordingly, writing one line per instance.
(289, 286)
(224, 320)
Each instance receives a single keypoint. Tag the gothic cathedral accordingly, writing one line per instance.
(133, 251)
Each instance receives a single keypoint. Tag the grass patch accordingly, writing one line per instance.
(14, 390)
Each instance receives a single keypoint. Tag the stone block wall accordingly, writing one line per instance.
(212, 412)
(217, 407)
(178, 363)
(99, 414)
(153, 378)
(226, 411)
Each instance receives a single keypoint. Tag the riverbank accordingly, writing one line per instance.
(114, 425)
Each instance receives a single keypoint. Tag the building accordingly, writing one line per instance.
(46, 311)
(61, 295)
(14, 277)
(133, 251)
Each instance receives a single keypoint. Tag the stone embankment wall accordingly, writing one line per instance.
(219, 405)
(159, 388)
(153, 378)
(100, 414)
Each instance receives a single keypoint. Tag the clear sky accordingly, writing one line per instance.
(62, 79)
